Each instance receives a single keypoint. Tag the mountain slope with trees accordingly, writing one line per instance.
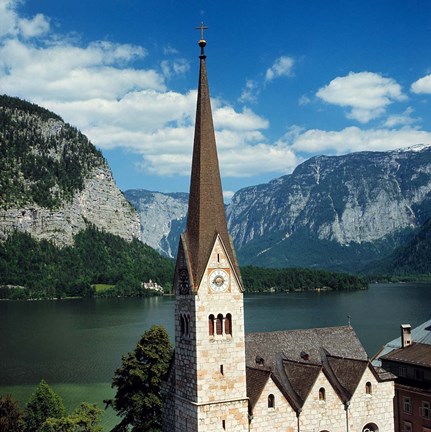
(53, 181)
(38, 269)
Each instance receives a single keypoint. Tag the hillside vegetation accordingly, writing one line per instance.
(292, 279)
(38, 269)
(42, 270)
(412, 259)
(42, 159)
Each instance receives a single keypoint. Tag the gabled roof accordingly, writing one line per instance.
(347, 373)
(420, 334)
(295, 358)
(206, 212)
(256, 381)
(417, 354)
(338, 341)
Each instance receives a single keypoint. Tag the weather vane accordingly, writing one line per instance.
(202, 28)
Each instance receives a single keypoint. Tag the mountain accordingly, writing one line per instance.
(413, 258)
(54, 182)
(336, 212)
(163, 218)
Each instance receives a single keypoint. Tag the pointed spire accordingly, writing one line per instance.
(206, 216)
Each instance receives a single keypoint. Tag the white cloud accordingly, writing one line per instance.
(304, 100)
(37, 26)
(250, 92)
(404, 119)
(176, 67)
(422, 85)
(366, 93)
(227, 117)
(352, 139)
(282, 67)
(96, 88)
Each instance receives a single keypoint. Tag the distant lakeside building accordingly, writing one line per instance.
(313, 380)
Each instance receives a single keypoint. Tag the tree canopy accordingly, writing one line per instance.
(138, 380)
(11, 416)
(43, 404)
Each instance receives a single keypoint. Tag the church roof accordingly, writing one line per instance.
(206, 214)
(295, 358)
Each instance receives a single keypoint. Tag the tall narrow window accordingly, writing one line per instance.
(322, 395)
(271, 401)
(228, 325)
(182, 325)
(187, 322)
(211, 325)
(407, 404)
(219, 324)
(223, 424)
(368, 388)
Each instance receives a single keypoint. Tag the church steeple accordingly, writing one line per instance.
(206, 216)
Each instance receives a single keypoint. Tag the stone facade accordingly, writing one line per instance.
(210, 384)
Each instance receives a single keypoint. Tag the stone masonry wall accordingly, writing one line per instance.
(281, 418)
(210, 370)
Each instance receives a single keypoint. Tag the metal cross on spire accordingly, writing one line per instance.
(202, 28)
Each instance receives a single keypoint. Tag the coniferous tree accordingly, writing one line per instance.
(43, 404)
(138, 383)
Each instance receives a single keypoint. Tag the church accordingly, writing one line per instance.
(220, 379)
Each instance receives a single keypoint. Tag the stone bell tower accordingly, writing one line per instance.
(208, 379)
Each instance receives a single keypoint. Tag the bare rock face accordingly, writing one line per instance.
(354, 206)
(163, 218)
(53, 181)
(100, 203)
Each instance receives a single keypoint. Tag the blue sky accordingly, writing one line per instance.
(288, 79)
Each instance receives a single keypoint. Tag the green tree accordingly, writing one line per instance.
(44, 403)
(138, 383)
(11, 416)
(86, 418)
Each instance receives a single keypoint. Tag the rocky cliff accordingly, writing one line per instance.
(53, 180)
(163, 218)
(338, 212)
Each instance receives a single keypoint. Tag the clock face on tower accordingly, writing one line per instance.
(219, 280)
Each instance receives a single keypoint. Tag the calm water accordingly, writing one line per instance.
(75, 345)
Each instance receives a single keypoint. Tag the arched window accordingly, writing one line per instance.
(370, 427)
(271, 401)
(322, 395)
(368, 388)
(219, 324)
(228, 325)
(211, 325)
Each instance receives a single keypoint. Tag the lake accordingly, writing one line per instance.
(75, 345)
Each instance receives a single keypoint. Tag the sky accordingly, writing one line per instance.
(288, 79)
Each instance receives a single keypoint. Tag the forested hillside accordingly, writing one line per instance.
(43, 270)
(36, 165)
(292, 279)
(412, 259)
(53, 180)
